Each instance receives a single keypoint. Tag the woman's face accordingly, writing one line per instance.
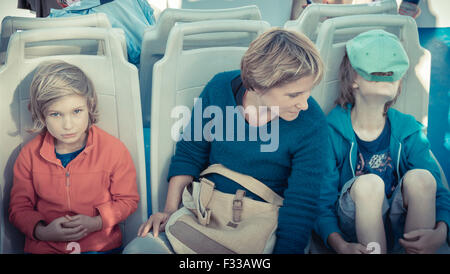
(290, 98)
(67, 120)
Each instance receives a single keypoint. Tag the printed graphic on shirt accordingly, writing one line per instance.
(380, 164)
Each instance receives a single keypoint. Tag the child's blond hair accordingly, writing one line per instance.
(51, 82)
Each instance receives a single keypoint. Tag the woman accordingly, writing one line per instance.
(277, 74)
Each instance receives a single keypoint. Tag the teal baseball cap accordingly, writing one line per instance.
(378, 55)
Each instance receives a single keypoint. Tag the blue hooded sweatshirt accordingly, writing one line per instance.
(409, 148)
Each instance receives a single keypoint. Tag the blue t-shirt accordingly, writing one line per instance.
(374, 157)
(67, 157)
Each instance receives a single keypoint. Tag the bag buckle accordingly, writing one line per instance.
(204, 220)
(238, 204)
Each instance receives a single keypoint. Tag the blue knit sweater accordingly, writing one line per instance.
(294, 170)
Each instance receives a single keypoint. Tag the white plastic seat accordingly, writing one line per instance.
(180, 77)
(312, 17)
(155, 39)
(11, 24)
(415, 84)
(274, 12)
(117, 85)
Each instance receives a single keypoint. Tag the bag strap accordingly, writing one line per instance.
(247, 182)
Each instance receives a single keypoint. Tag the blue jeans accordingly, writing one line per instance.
(394, 215)
(149, 245)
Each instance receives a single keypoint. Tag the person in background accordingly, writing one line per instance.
(299, 5)
(132, 16)
(41, 7)
(66, 3)
(410, 8)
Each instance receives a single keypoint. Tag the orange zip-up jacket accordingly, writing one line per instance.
(100, 180)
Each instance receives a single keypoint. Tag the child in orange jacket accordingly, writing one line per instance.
(73, 182)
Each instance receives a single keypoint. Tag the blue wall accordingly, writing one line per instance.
(437, 41)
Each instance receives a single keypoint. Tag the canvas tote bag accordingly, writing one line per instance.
(211, 221)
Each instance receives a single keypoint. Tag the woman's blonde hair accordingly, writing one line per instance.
(347, 76)
(278, 57)
(51, 82)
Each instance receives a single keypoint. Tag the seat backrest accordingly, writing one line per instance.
(276, 13)
(180, 77)
(12, 24)
(155, 40)
(312, 17)
(117, 85)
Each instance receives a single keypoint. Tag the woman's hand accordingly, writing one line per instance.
(56, 232)
(156, 221)
(159, 220)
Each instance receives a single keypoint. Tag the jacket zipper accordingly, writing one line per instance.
(351, 161)
(398, 162)
(68, 189)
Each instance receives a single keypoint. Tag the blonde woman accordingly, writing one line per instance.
(73, 182)
(272, 90)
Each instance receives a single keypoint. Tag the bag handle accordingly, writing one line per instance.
(247, 182)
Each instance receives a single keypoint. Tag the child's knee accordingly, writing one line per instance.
(419, 182)
(368, 188)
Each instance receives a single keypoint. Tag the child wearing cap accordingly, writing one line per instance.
(384, 185)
